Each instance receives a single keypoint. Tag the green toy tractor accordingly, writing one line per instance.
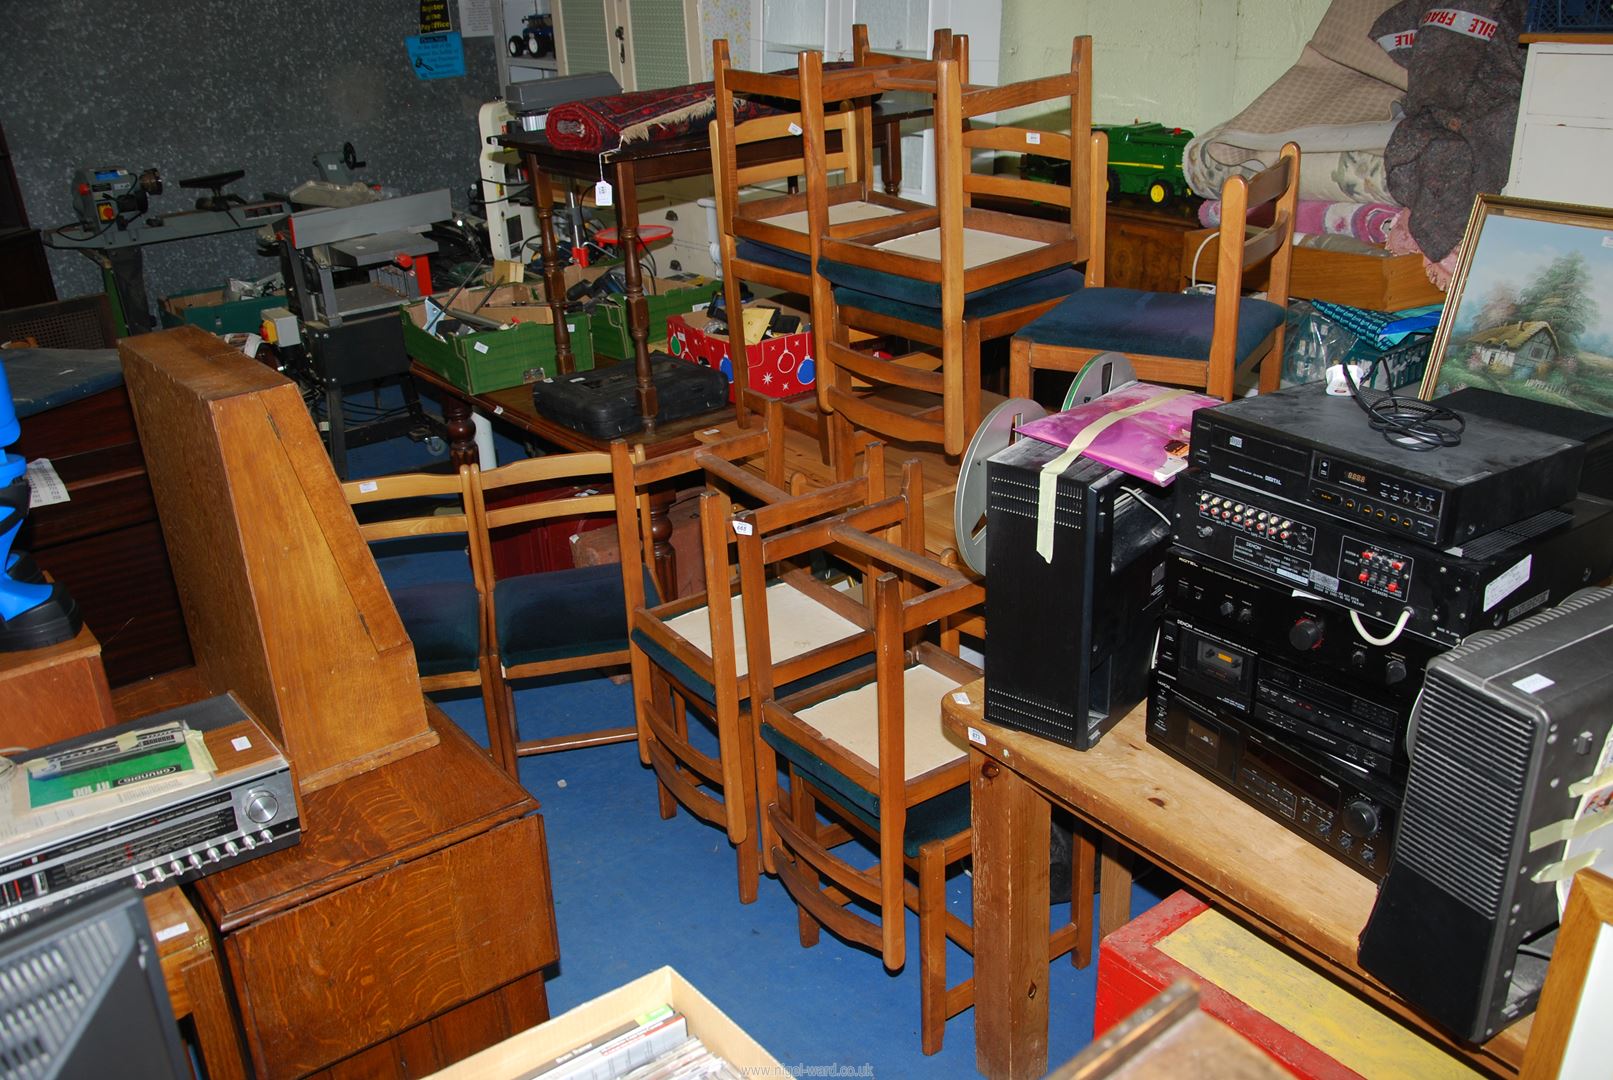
(1146, 159)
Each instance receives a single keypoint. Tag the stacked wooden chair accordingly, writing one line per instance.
(956, 275)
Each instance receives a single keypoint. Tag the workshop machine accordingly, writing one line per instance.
(114, 224)
(348, 270)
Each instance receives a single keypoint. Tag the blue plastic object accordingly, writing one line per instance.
(32, 614)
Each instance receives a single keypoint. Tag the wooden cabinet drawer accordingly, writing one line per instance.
(361, 964)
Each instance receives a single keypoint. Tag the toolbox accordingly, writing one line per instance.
(603, 403)
(524, 351)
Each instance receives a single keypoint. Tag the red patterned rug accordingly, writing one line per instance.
(600, 124)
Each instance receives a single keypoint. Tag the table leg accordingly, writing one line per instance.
(554, 278)
(1114, 888)
(461, 430)
(638, 311)
(890, 155)
(210, 1010)
(666, 560)
(1011, 825)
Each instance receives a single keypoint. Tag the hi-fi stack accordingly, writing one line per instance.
(1317, 566)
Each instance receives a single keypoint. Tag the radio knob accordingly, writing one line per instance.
(213, 854)
(1225, 610)
(1361, 819)
(1358, 659)
(1205, 532)
(1246, 616)
(1306, 634)
(194, 859)
(175, 867)
(1394, 671)
(230, 849)
(157, 874)
(261, 806)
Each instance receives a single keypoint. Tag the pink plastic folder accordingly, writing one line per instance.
(1149, 442)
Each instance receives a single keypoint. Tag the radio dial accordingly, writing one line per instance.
(1394, 671)
(1361, 819)
(261, 806)
(1307, 634)
(1225, 610)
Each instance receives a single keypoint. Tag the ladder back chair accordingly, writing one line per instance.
(557, 621)
(688, 655)
(1186, 338)
(961, 274)
(447, 617)
(767, 240)
(867, 750)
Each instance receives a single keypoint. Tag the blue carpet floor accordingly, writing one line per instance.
(633, 892)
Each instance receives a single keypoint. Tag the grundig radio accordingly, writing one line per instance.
(83, 836)
(1289, 444)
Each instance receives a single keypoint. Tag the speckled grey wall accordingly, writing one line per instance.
(208, 85)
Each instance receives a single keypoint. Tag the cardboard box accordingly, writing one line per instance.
(211, 310)
(517, 1055)
(664, 297)
(779, 366)
(1378, 282)
(522, 352)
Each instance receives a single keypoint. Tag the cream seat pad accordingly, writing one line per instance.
(852, 721)
(796, 624)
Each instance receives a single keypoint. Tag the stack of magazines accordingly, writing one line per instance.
(655, 1046)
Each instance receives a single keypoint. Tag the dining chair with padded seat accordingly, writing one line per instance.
(1188, 339)
(552, 622)
(687, 653)
(970, 270)
(420, 519)
(765, 239)
(867, 759)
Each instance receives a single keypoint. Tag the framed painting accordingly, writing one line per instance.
(1530, 308)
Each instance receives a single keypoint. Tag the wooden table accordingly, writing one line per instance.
(1220, 848)
(195, 982)
(646, 162)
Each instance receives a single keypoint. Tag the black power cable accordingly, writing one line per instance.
(1409, 423)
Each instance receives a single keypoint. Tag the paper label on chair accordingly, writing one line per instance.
(977, 737)
(368, 486)
(602, 193)
(744, 528)
(795, 129)
(240, 743)
(1034, 138)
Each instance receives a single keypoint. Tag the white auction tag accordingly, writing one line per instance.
(45, 487)
(171, 931)
(368, 486)
(795, 129)
(480, 346)
(977, 737)
(1034, 138)
(602, 193)
(241, 742)
(744, 528)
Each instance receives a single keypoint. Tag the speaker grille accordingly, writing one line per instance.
(1465, 793)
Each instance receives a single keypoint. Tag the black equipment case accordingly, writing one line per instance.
(603, 403)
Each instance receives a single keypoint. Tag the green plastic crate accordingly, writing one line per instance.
(208, 309)
(494, 359)
(609, 318)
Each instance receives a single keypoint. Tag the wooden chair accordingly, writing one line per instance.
(448, 619)
(1186, 338)
(961, 274)
(558, 621)
(767, 240)
(688, 656)
(867, 749)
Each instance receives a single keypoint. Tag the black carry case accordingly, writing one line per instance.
(603, 403)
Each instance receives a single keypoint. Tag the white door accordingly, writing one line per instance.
(646, 44)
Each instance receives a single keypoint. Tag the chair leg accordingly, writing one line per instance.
(767, 794)
(749, 860)
(932, 910)
(805, 811)
(1019, 368)
(501, 728)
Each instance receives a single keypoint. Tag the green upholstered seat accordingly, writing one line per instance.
(1144, 323)
(944, 815)
(1022, 292)
(563, 613)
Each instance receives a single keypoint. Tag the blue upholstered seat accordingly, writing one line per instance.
(911, 293)
(936, 818)
(443, 619)
(755, 251)
(1143, 323)
(1022, 292)
(563, 613)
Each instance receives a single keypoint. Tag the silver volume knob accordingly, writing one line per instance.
(261, 806)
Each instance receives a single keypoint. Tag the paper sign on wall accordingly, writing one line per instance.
(436, 56)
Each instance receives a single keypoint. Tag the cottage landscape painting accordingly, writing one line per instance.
(1531, 313)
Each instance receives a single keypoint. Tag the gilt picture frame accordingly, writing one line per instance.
(1530, 307)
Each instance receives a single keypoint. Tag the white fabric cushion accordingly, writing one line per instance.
(852, 721)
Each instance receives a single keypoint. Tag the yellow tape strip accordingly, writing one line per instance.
(1591, 783)
(1567, 829)
(1048, 487)
(1560, 871)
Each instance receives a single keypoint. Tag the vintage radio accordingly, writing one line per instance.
(1318, 451)
(165, 826)
(1440, 594)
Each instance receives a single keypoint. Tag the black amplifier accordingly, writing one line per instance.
(1318, 451)
(1319, 713)
(1294, 627)
(1443, 595)
(1335, 807)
